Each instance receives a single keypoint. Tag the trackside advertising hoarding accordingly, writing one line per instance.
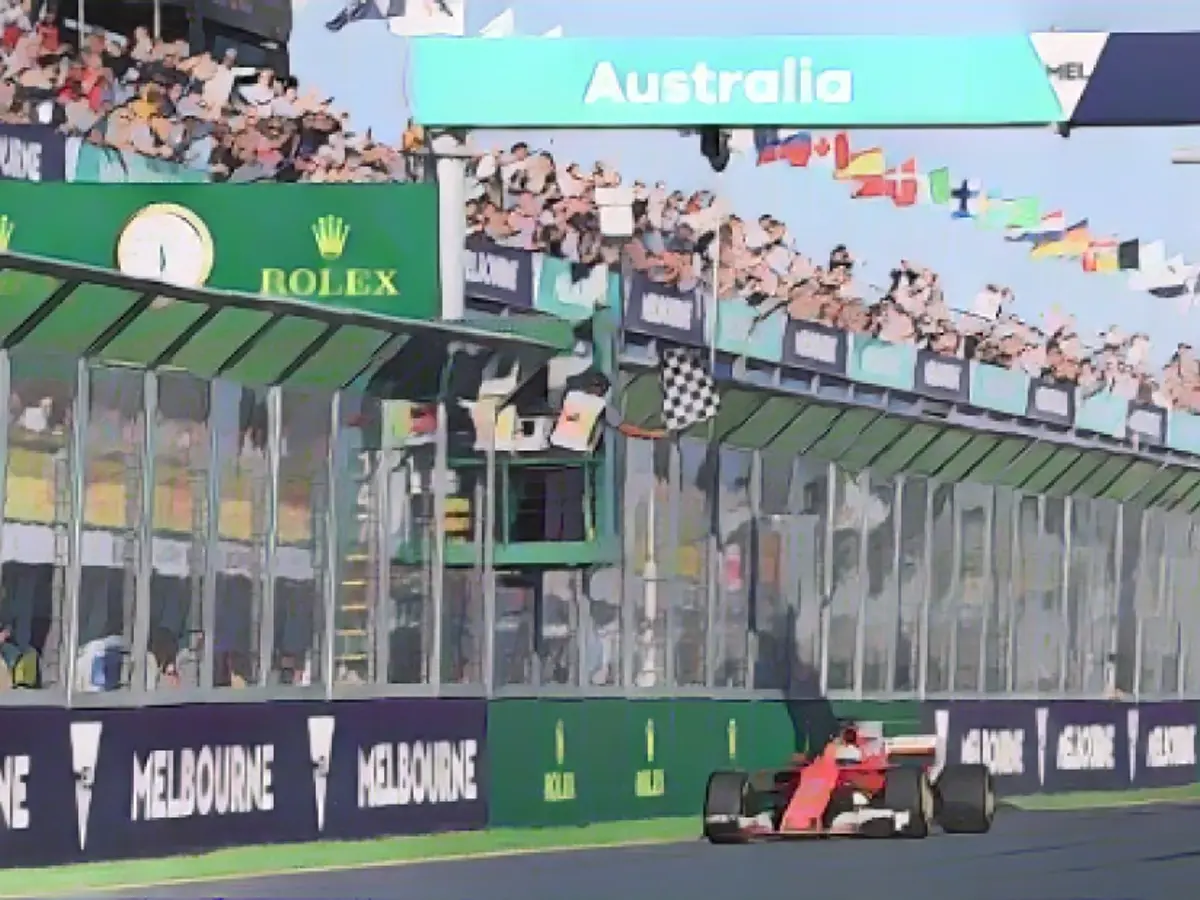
(1075, 745)
(655, 82)
(165, 780)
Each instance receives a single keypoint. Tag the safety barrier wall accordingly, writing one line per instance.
(1037, 747)
(153, 781)
(568, 762)
(86, 785)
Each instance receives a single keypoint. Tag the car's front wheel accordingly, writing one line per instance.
(724, 806)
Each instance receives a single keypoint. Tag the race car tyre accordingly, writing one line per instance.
(966, 799)
(909, 791)
(724, 806)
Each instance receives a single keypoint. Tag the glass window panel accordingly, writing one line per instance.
(357, 631)
(1037, 620)
(1187, 609)
(301, 560)
(852, 500)
(646, 501)
(516, 651)
(113, 463)
(998, 642)
(790, 573)
(37, 511)
(558, 649)
(883, 589)
(1092, 594)
(732, 615)
(973, 588)
(182, 467)
(688, 617)
(604, 641)
(1158, 638)
(913, 583)
(241, 418)
(943, 584)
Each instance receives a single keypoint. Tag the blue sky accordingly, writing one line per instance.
(1121, 180)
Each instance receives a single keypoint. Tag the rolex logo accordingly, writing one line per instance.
(7, 227)
(331, 234)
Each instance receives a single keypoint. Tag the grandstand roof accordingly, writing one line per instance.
(55, 308)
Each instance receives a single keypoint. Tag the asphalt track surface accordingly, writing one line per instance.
(1136, 853)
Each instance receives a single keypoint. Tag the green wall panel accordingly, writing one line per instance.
(568, 762)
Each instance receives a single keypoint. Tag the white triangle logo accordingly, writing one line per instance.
(1133, 722)
(85, 750)
(1043, 717)
(1070, 58)
(320, 751)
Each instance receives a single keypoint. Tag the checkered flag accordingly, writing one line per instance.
(689, 392)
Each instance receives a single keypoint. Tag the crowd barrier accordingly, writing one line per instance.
(88, 785)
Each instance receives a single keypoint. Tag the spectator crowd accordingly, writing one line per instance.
(158, 99)
(523, 198)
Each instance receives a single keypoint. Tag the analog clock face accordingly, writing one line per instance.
(168, 243)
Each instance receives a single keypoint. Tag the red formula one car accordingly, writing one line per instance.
(858, 785)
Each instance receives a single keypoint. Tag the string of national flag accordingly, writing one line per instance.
(1050, 234)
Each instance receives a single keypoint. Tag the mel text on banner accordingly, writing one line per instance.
(161, 780)
(37, 792)
(942, 377)
(740, 332)
(363, 247)
(503, 275)
(878, 362)
(1005, 735)
(1103, 412)
(663, 311)
(1183, 432)
(400, 766)
(1087, 745)
(1162, 740)
(815, 347)
(999, 389)
(104, 165)
(1147, 424)
(573, 291)
(1051, 402)
(34, 153)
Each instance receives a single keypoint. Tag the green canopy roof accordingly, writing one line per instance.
(66, 309)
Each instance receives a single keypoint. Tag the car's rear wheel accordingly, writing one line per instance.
(724, 806)
(966, 799)
(909, 791)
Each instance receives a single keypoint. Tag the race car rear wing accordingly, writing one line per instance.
(911, 745)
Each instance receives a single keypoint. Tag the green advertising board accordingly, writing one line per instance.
(569, 762)
(363, 247)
